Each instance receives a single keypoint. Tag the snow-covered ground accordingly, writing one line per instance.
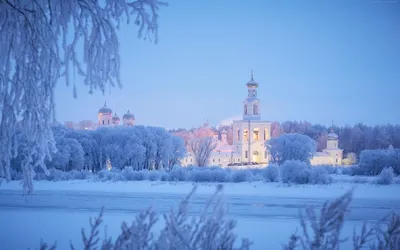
(267, 213)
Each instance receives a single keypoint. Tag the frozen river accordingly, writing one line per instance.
(58, 215)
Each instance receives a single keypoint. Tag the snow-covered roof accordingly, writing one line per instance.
(321, 154)
(332, 136)
(128, 116)
(252, 83)
(105, 110)
(115, 117)
(223, 147)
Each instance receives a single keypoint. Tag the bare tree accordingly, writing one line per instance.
(39, 42)
(202, 148)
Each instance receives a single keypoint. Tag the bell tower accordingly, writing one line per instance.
(251, 105)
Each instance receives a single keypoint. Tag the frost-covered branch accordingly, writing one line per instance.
(37, 48)
(202, 148)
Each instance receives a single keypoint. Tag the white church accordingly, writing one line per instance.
(249, 137)
(105, 117)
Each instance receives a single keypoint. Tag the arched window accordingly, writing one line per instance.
(245, 134)
(255, 109)
(103, 122)
(266, 135)
(256, 134)
(238, 134)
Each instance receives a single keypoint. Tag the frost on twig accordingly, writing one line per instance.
(325, 228)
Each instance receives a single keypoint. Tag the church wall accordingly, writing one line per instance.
(257, 141)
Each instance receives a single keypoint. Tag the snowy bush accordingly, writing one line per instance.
(271, 173)
(385, 177)
(177, 174)
(106, 175)
(320, 175)
(128, 174)
(208, 174)
(153, 175)
(79, 175)
(360, 179)
(163, 175)
(297, 172)
(240, 175)
(329, 168)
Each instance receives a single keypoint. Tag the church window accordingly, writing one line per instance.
(245, 134)
(213, 160)
(245, 154)
(256, 134)
(103, 122)
(238, 134)
(255, 109)
(266, 134)
(108, 121)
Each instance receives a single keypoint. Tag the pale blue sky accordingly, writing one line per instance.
(314, 60)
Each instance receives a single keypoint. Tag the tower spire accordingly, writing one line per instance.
(252, 75)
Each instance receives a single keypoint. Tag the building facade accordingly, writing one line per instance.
(251, 133)
(331, 155)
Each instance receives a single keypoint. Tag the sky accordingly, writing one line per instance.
(315, 61)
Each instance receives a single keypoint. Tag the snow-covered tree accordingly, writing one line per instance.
(163, 141)
(202, 148)
(177, 152)
(291, 147)
(372, 162)
(69, 155)
(39, 41)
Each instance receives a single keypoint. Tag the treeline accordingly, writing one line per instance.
(139, 147)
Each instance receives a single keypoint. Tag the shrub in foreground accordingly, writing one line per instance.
(385, 177)
(271, 173)
(212, 230)
(297, 172)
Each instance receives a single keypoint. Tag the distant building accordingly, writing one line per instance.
(332, 154)
(106, 118)
(249, 136)
(251, 133)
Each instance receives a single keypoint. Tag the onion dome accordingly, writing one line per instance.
(128, 116)
(105, 110)
(332, 135)
(115, 119)
(252, 83)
